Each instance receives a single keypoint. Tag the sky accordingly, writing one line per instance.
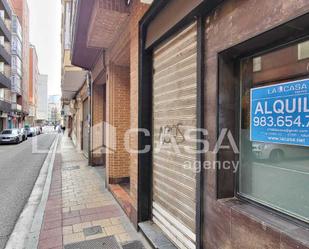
(45, 35)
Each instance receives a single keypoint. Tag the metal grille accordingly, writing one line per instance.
(102, 243)
(133, 245)
(92, 230)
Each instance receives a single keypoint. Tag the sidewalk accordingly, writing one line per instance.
(80, 208)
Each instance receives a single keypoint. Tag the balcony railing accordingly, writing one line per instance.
(16, 107)
(7, 8)
(4, 55)
(16, 85)
(4, 30)
(5, 82)
(4, 105)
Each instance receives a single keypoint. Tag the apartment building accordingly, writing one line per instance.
(5, 65)
(33, 85)
(16, 78)
(21, 34)
(42, 99)
(207, 78)
(54, 109)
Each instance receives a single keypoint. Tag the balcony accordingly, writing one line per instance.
(5, 106)
(16, 84)
(4, 55)
(5, 82)
(4, 30)
(5, 6)
(16, 107)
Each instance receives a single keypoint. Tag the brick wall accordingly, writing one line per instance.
(97, 129)
(138, 10)
(119, 116)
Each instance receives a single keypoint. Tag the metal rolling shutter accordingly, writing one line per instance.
(174, 104)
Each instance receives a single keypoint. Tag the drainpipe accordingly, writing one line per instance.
(90, 133)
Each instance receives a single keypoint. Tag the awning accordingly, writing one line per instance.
(72, 83)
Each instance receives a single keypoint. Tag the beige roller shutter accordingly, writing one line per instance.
(174, 112)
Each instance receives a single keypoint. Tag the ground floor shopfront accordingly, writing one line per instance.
(246, 188)
(222, 100)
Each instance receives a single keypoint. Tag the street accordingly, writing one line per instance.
(19, 170)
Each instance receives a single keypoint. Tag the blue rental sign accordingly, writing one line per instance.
(280, 113)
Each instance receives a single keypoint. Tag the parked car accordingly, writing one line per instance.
(279, 152)
(32, 132)
(24, 132)
(11, 136)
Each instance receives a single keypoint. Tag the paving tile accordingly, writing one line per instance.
(79, 227)
(116, 221)
(123, 237)
(71, 238)
(67, 230)
(81, 199)
(51, 224)
(97, 236)
(71, 221)
(113, 230)
(103, 223)
(56, 232)
(71, 214)
(77, 207)
(50, 243)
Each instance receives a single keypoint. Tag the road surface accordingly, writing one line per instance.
(19, 169)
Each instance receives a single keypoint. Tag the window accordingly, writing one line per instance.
(67, 31)
(1, 94)
(16, 46)
(274, 133)
(2, 67)
(16, 65)
(2, 15)
(16, 27)
(2, 40)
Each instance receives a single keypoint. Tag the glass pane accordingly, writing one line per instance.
(276, 174)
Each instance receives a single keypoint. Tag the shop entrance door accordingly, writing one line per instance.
(85, 133)
(174, 113)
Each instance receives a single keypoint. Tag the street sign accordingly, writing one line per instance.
(280, 113)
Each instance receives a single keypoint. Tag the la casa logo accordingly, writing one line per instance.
(288, 88)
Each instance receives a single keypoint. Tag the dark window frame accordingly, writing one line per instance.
(229, 68)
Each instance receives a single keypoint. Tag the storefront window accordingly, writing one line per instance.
(274, 135)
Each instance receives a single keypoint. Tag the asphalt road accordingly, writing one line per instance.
(19, 169)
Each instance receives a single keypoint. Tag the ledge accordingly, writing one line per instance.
(5, 82)
(287, 230)
(155, 236)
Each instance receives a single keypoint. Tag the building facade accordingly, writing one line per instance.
(221, 101)
(16, 78)
(21, 10)
(74, 86)
(5, 65)
(33, 85)
(42, 99)
(54, 109)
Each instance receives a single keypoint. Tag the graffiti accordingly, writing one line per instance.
(171, 132)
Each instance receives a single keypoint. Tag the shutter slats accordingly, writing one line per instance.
(174, 103)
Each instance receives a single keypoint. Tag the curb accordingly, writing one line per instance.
(27, 229)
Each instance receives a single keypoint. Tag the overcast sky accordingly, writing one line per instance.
(45, 29)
